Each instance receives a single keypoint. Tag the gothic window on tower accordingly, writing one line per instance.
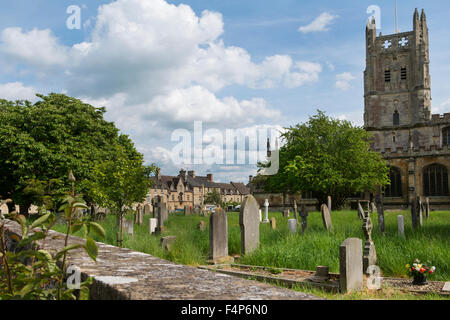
(446, 136)
(395, 188)
(435, 180)
(396, 118)
(387, 75)
(403, 74)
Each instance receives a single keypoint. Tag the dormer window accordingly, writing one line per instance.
(396, 118)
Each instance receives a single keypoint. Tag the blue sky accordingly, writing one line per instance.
(157, 66)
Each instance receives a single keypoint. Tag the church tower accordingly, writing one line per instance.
(397, 91)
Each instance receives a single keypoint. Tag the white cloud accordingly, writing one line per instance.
(444, 107)
(17, 91)
(343, 81)
(319, 24)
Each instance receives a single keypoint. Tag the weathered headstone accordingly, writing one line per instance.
(202, 226)
(351, 265)
(304, 217)
(152, 223)
(293, 225)
(427, 207)
(129, 227)
(419, 211)
(373, 208)
(286, 213)
(147, 209)
(273, 223)
(249, 224)
(370, 255)
(401, 225)
(161, 216)
(326, 217)
(187, 210)
(260, 215)
(167, 242)
(218, 235)
(329, 203)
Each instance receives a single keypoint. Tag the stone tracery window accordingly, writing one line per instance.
(435, 180)
(446, 136)
(395, 188)
(396, 118)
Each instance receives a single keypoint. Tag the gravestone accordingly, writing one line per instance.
(293, 225)
(373, 208)
(249, 224)
(420, 209)
(152, 223)
(218, 235)
(202, 226)
(187, 210)
(427, 208)
(370, 255)
(351, 265)
(413, 214)
(326, 217)
(360, 211)
(266, 206)
(380, 212)
(329, 203)
(295, 210)
(273, 223)
(401, 225)
(260, 215)
(286, 213)
(129, 227)
(446, 287)
(167, 242)
(161, 216)
(146, 209)
(304, 217)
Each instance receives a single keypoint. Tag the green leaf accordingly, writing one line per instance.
(36, 236)
(45, 254)
(27, 289)
(66, 249)
(41, 220)
(98, 229)
(80, 205)
(91, 248)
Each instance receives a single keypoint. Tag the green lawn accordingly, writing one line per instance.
(316, 247)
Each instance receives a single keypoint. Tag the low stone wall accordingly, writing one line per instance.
(123, 274)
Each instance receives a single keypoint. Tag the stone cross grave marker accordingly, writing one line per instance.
(370, 255)
(293, 225)
(152, 223)
(249, 224)
(401, 225)
(326, 217)
(351, 265)
(218, 234)
(304, 217)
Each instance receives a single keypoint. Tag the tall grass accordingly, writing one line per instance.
(279, 248)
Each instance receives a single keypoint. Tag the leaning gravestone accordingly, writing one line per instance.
(293, 225)
(304, 216)
(152, 223)
(350, 265)
(329, 203)
(326, 217)
(218, 235)
(401, 226)
(360, 211)
(370, 255)
(249, 224)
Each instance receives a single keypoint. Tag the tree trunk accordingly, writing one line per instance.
(11, 206)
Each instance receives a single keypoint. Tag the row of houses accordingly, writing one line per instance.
(188, 189)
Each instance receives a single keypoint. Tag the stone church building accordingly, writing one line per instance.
(397, 110)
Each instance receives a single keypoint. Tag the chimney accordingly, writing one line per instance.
(250, 178)
(191, 173)
(210, 177)
(183, 174)
(158, 173)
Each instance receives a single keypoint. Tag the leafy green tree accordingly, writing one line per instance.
(44, 140)
(214, 198)
(122, 180)
(327, 157)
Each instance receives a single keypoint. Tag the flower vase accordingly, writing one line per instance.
(420, 279)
